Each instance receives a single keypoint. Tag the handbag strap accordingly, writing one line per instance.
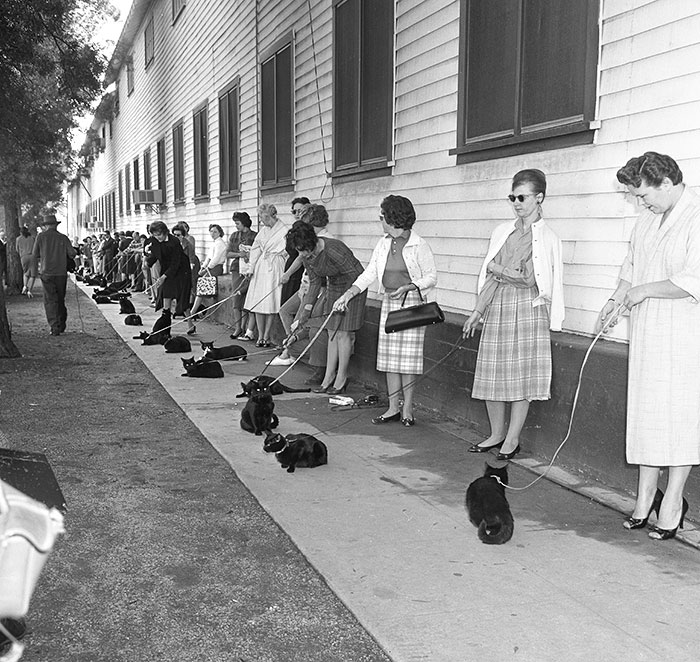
(405, 294)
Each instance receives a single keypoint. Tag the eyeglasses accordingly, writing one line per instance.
(298, 210)
(521, 197)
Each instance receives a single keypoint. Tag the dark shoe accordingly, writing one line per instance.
(475, 448)
(260, 343)
(394, 418)
(337, 391)
(55, 332)
(192, 331)
(633, 523)
(657, 533)
(509, 456)
(245, 337)
(408, 422)
(235, 334)
(321, 389)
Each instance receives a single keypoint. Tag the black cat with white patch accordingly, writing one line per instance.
(227, 353)
(488, 507)
(296, 450)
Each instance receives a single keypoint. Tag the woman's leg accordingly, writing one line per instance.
(393, 386)
(30, 286)
(195, 306)
(269, 321)
(518, 414)
(497, 420)
(331, 364)
(646, 489)
(408, 383)
(344, 341)
(672, 505)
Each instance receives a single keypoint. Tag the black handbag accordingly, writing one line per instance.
(411, 317)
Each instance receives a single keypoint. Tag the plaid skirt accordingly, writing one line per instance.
(515, 352)
(400, 352)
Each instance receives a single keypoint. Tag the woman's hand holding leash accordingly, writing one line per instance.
(470, 325)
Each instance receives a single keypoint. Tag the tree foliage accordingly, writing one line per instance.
(50, 73)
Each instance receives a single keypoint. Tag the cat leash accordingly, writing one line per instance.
(609, 323)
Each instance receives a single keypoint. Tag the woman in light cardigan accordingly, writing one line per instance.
(402, 263)
(520, 299)
(213, 265)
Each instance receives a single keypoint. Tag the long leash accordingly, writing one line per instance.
(606, 326)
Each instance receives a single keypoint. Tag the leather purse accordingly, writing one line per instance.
(411, 317)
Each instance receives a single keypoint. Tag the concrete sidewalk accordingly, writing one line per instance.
(385, 525)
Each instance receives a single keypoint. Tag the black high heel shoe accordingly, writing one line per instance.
(509, 456)
(632, 523)
(475, 448)
(331, 390)
(657, 533)
(394, 418)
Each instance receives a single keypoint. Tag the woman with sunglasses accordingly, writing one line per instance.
(520, 299)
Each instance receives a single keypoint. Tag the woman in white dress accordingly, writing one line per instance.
(267, 258)
(660, 285)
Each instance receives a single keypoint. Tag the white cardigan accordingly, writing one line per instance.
(547, 262)
(419, 262)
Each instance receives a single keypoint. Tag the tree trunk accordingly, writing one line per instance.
(7, 347)
(15, 280)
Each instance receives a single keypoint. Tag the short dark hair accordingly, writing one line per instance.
(243, 218)
(179, 227)
(25, 231)
(303, 200)
(158, 227)
(218, 229)
(302, 237)
(532, 176)
(316, 216)
(651, 167)
(398, 212)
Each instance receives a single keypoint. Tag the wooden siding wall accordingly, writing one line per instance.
(648, 99)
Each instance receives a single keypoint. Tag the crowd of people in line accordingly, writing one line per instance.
(308, 279)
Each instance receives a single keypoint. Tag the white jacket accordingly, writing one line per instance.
(419, 262)
(547, 263)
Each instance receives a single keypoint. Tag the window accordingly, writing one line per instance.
(137, 181)
(127, 188)
(527, 75)
(160, 155)
(129, 76)
(178, 6)
(363, 87)
(148, 41)
(178, 163)
(228, 141)
(201, 153)
(276, 115)
(121, 194)
(147, 169)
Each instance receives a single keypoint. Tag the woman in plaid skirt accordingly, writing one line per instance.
(520, 300)
(331, 264)
(403, 264)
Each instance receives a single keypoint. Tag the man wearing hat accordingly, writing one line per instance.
(53, 250)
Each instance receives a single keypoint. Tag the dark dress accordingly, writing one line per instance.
(336, 267)
(175, 266)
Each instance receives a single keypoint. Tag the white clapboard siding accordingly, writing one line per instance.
(648, 99)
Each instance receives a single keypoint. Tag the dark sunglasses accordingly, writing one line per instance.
(520, 198)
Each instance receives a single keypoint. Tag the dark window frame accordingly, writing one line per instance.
(177, 8)
(147, 167)
(127, 189)
(229, 140)
(200, 151)
(136, 177)
(556, 133)
(121, 192)
(178, 135)
(277, 154)
(149, 42)
(353, 111)
(129, 76)
(162, 168)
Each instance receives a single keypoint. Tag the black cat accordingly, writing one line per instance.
(160, 332)
(229, 352)
(126, 307)
(296, 450)
(102, 298)
(276, 388)
(133, 320)
(203, 369)
(258, 415)
(118, 296)
(176, 344)
(488, 507)
(100, 281)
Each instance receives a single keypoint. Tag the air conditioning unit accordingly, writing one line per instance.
(147, 197)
